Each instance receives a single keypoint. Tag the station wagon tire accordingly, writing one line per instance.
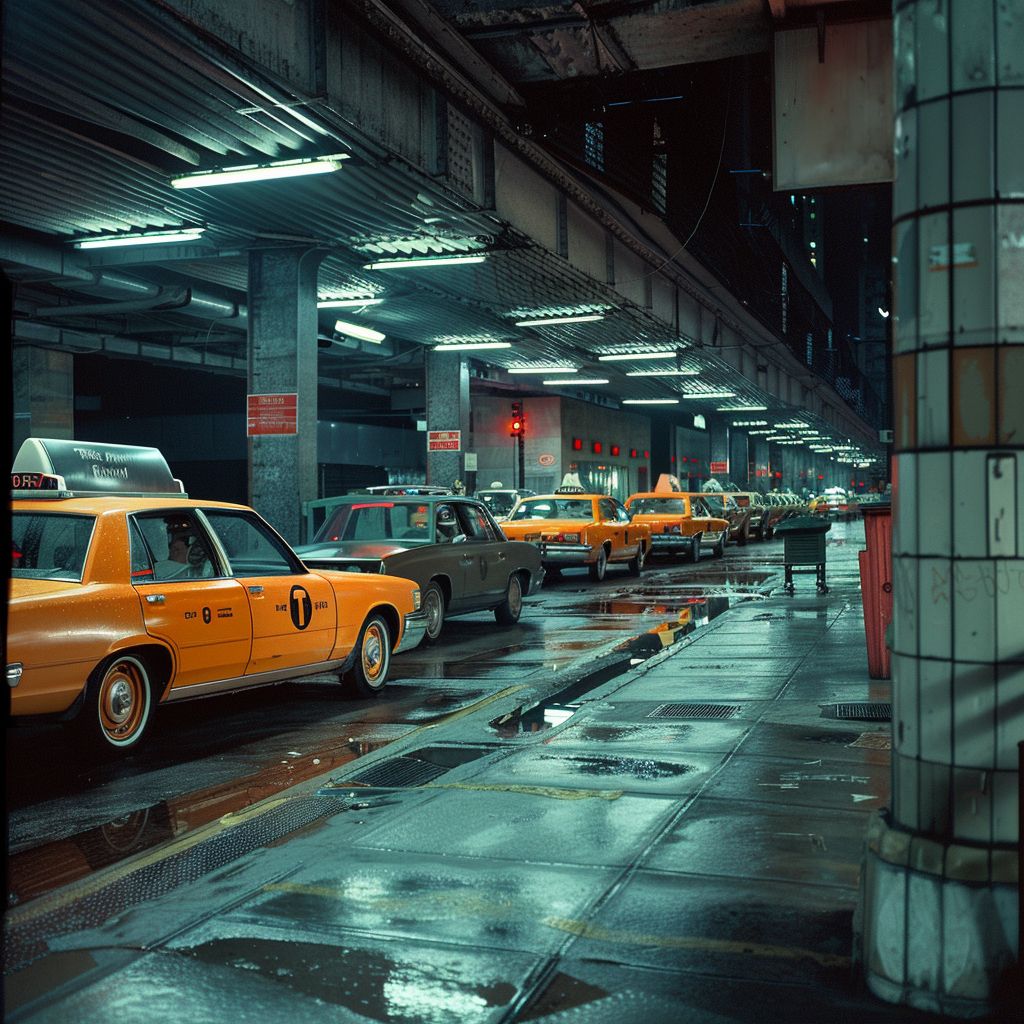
(744, 535)
(369, 671)
(433, 606)
(636, 563)
(694, 553)
(719, 549)
(118, 703)
(599, 566)
(507, 613)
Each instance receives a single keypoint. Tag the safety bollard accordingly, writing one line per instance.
(876, 586)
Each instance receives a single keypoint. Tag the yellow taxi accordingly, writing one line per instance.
(125, 593)
(680, 523)
(573, 528)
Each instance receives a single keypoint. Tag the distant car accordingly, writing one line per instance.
(723, 505)
(680, 523)
(572, 528)
(501, 500)
(834, 503)
(450, 545)
(405, 489)
(125, 594)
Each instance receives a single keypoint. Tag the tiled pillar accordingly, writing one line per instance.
(283, 361)
(759, 457)
(718, 435)
(738, 459)
(939, 902)
(42, 393)
(447, 376)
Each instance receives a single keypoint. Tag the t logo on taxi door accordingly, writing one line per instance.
(300, 606)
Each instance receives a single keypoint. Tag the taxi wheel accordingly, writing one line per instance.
(507, 613)
(636, 563)
(600, 566)
(117, 706)
(719, 549)
(373, 658)
(433, 608)
(744, 535)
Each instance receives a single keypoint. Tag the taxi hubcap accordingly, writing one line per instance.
(433, 612)
(515, 595)
(372, 652)
(119, 701)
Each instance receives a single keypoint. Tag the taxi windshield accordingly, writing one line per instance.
(554, 508)
(658, 506)
(377, 520)
(499, 502)
(49, 545)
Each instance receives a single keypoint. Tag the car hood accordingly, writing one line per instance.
(517, 528)
(356, 550)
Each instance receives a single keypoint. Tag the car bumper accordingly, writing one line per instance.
(415, 626)
(565, 554)
(670, 542)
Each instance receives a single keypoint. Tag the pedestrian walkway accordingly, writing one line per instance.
(680, 844)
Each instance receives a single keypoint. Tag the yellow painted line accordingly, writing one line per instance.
(462, 712)
(705, 945)
(100, 880)
(548, 791)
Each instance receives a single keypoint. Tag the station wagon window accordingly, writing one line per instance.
(621, 513)
(376, 520)
(252, 547)
(170, 545)
(473, 521)
(607, 509)
(658, 506)
(49, 545)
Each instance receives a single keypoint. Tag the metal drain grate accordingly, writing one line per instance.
(398, 772)
(695, 711)
(871, 711)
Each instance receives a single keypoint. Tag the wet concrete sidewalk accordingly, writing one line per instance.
(680, 843)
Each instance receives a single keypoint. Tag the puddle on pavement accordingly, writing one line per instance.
(677, 620)
(34, 872)
(373, 985)
(643, 769)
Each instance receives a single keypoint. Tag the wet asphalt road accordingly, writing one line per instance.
(211, 757)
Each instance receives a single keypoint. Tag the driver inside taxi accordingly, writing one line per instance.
(176, 562)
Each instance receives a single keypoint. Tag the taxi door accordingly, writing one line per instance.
(294, 612)
(611, 528)
(700, 521)
(482, 557)
(205, 620)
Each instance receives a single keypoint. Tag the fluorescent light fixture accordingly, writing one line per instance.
(582, 319)
(542, 369)
(141, 238)
(424, 261)
(795, 425)
(747, 423)
(626, 356)
(712, 394)
(743, 408)
(574, 381)
(358, 331)
(261, 172)
(650, 401)
(758, 432)
(463, 346)
(347, 303)
(661, 373)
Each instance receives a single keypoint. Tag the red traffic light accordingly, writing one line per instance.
(517, 426)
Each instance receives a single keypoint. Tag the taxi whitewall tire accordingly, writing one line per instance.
(636, 563)
(433, 605)
(369, 671)
(599, 566)
(507, 613)
(118, 704)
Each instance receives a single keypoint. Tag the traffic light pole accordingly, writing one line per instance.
(521, 445)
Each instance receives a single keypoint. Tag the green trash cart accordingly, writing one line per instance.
(804, 549)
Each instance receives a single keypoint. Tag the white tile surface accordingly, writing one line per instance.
(935, 619)
(934, 529)
(968, 491)
(933, 399)
(974, 610)
(935, 708)
(974, 305)
(974, 716)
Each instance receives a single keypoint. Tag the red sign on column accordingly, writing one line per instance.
(444, 440)
(272, 414)
(719, 467)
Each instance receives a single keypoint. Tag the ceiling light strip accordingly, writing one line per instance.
(261, 172)
(424, 261)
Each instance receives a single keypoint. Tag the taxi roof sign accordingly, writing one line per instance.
(667, 482)
(60, 468)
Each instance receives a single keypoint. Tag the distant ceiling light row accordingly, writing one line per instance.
(544, 321)
(465, 346)
(261, 172)
(744, 408)
(140, 238)
(347, 303)
(660, 373)
(423, 261)
(543, 369)
(650, 401)
(626, 356)
(711, 395)
(576, 381)
(358, 331)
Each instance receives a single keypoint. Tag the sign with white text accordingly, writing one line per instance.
(444, 440)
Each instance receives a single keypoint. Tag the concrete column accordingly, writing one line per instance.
(738, 459)
(939, 901)
(759, 456)
(43, 394)
(283, 360)
(718, 434)
(447, 376)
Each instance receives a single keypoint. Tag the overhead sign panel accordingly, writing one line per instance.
(833, 106)
(444, 440)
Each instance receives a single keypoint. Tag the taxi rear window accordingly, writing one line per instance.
(652, 506)
(555, 508)
(50, 545)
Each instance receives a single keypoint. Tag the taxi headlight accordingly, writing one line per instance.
(417, 597)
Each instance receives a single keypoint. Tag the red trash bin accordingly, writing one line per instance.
(876, 585)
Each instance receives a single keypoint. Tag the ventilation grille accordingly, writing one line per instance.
(695, 711)
(398, 772)
(873, 711)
